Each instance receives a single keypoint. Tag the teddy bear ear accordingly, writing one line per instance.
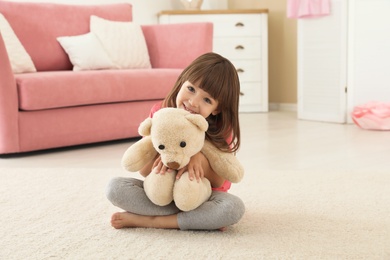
(145, 126)
(199, 121)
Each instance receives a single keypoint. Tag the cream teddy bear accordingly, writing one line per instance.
(177, 135)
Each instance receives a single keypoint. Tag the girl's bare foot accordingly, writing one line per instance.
(127, 220)
(123, 220)
(222, 229)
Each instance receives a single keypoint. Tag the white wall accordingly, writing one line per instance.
(144, 11)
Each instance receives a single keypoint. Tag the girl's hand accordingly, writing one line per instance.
(194, 167)
(161, 168)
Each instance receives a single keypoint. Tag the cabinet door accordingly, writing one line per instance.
(322, 66)
(368, 52)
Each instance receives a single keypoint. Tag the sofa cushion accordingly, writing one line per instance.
(123, 41)
(20, 60)
(46, 90)
(47, 21)
(86, 52)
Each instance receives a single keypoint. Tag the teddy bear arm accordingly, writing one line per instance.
(139, 154)
(224, 164)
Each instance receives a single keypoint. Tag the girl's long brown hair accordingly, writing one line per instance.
(218, 77)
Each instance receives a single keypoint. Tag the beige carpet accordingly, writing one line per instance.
(63, 214)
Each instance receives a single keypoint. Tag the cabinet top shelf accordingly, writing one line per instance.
(225, 11)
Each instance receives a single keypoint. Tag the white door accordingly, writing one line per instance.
(343, 60)
(322, 65)
(368, 52)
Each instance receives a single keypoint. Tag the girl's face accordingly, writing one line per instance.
(196, 100)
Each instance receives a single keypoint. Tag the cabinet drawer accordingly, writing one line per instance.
(238, 48)
(251, 93)
(248, 70)
(225, 24)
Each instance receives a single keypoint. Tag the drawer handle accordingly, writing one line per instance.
(240, 70)
(239, 47)
(239, 24)
(241, 93)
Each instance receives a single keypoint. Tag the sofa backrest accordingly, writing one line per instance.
(37, 26)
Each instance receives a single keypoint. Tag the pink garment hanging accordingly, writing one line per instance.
(307, 8)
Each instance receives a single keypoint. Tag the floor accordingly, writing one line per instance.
(275, 140)
(312, 190)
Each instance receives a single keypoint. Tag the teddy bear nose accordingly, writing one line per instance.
(173, 165)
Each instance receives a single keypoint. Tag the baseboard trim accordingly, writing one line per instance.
(283, 107)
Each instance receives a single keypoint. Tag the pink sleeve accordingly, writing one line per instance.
(230, 139)
(155, 108)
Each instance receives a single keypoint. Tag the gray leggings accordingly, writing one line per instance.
(221, 210)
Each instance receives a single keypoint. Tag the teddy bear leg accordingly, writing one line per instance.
(189, 195)
(159, 187)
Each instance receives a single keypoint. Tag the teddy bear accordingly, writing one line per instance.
(176, 135)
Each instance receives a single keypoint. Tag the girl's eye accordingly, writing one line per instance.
(207, 100)
(191, 89)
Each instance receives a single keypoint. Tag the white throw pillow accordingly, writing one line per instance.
(20, 60)
(123, 41)
(85, 52)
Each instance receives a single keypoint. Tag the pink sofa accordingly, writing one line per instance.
(58, 107)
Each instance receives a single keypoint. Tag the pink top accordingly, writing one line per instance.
(226, 185)
(307, 8)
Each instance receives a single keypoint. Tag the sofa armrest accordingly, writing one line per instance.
(9, 141)
(177, 45)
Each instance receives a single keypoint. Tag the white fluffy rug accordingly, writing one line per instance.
(63, 214)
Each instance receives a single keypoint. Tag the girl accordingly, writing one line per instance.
(209, 86)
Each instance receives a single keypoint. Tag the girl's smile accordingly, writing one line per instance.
(189, 110)
(196, 101)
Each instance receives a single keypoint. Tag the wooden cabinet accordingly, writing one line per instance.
(242, 37)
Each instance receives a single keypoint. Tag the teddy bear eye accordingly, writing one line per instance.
(161, 147)
(183, 144)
